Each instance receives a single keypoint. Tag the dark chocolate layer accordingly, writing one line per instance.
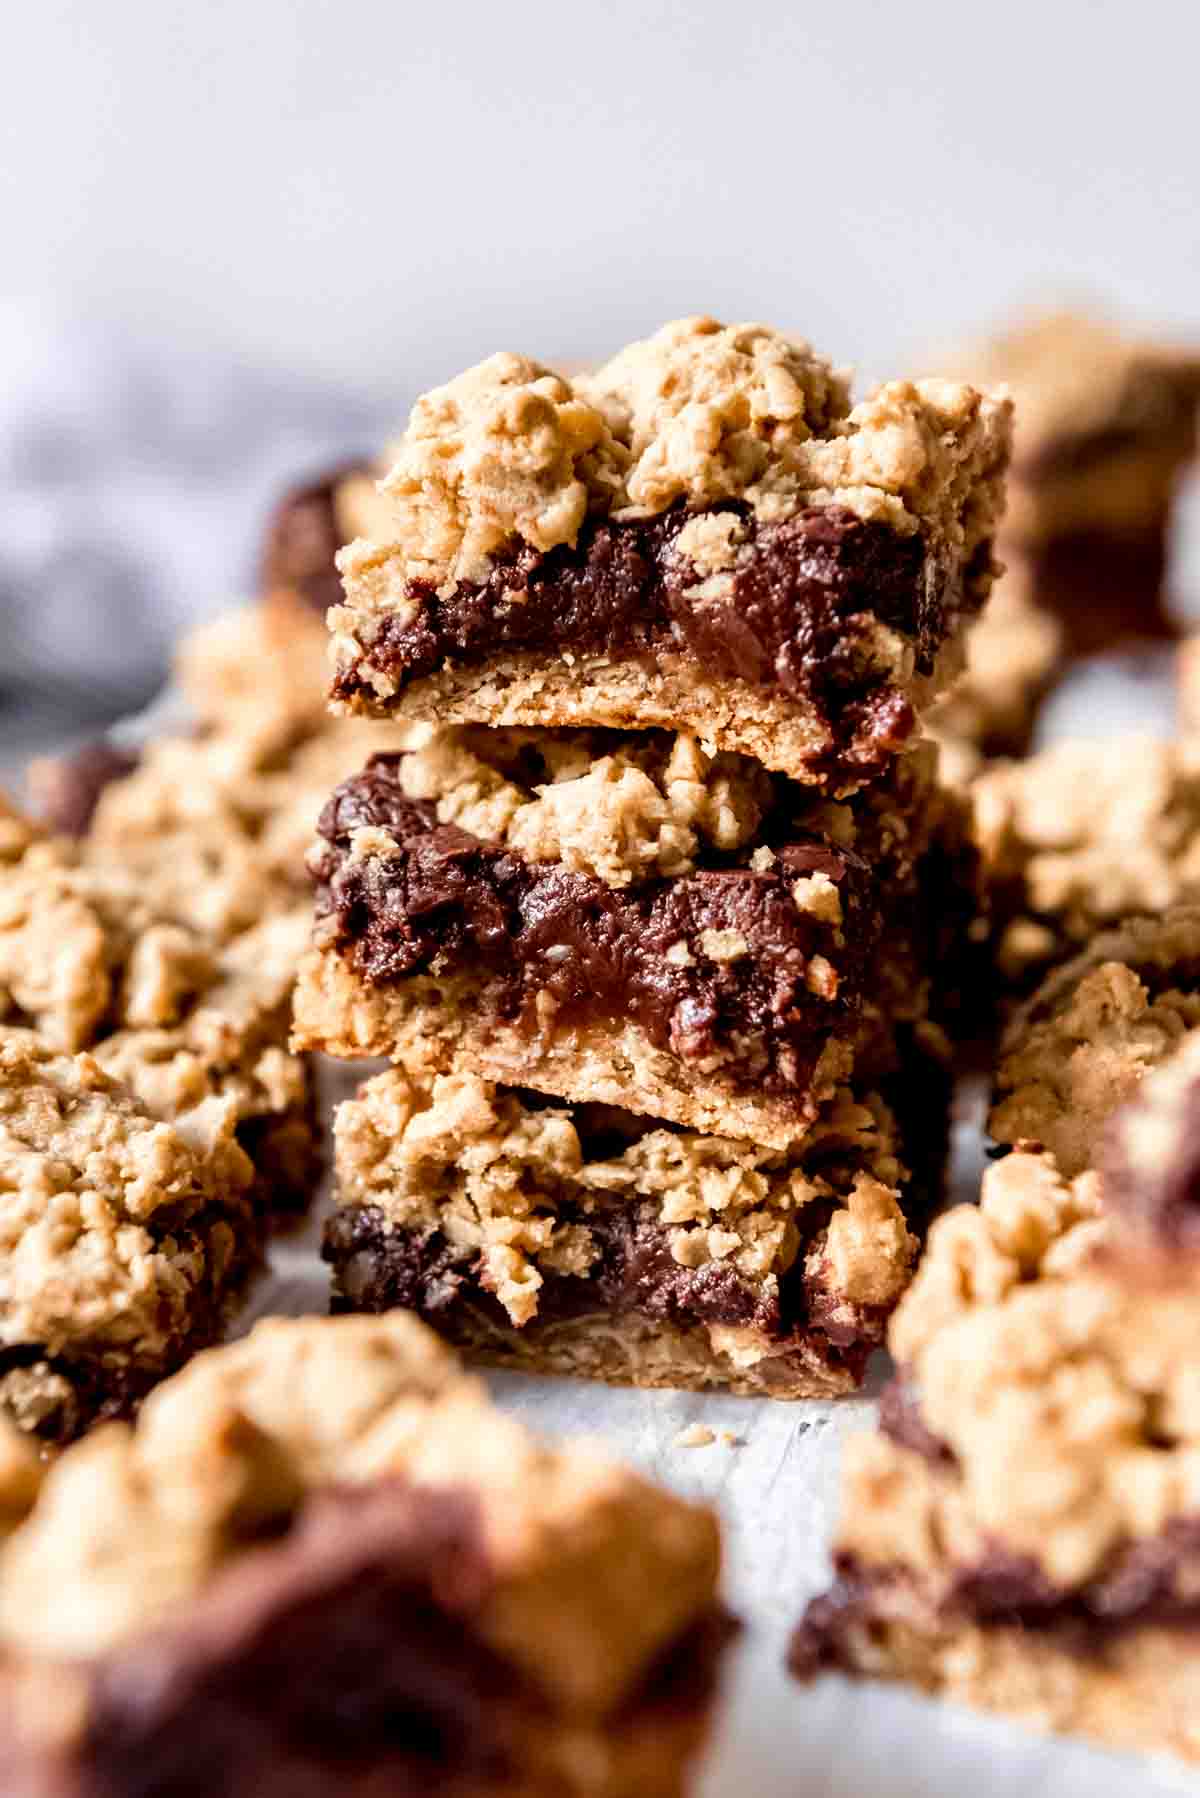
(302, 539)
(450, 901)
(804, 597)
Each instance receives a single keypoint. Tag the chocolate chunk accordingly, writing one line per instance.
(900, 1418)
(303, 537)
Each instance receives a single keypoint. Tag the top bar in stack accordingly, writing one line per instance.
(703, 535)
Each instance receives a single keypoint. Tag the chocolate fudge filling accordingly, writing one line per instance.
(804, 598)
(379, 1268)
(342, 1656)
(69, 789)
(303, 538)
(547, 936)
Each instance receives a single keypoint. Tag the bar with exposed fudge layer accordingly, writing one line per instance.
(323, 1564)
(1105, 428)
(593, 1242)
(1023, 1532)
(703, 535)
(630, 919)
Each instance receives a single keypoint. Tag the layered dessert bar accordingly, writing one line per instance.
(631, 919)
(1079, 837)
(124, 1239)
(1096, 1027)
(1106, 425)
(89, 962)
(703, 535)
(591, 1241)
(217, 824)
(322, 1564)
(1023, 1532)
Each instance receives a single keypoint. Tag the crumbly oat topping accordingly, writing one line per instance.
(1084, 834)
(130, 1524)
(87, 1176)
(87, 960)
(505, 450)
(700, 413)
(518, 1185)
(216, 827)
(1023, 1354)
(642, 811)
(1096, 1027)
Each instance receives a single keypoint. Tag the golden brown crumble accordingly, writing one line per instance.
(641, 811)
(1096, 1027)
(87, 1175)
(1075, 378)
(88, 962)
(1082, 835)
(1025, 1354)
(495, 1176)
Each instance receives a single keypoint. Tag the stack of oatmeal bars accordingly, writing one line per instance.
(659, 913)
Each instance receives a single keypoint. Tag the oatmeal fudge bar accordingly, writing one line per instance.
(1105, 426)
(124, 1239)
(1093, 1031)
(631, 919)
(596, 1242)
(89, 961)
(216, 825)
(703, 535)
(1079, 837)
(1022, 1533)
(321, 1563)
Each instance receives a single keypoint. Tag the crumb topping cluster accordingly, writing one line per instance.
(1084, 834)
(1097, 1026)
(510, 453)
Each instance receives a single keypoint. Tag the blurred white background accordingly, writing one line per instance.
(239, 235)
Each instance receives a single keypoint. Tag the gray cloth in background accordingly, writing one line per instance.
(135, 476)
